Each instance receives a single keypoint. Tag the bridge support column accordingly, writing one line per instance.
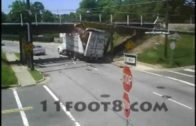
(22, 52)
(22, 42)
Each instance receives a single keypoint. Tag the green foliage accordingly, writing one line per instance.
(47, 16)
(3, 17)
(19, 8)
(36, 75)
(8, 76)
(177, 9)
(184, 53)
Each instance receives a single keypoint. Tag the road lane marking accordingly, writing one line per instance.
(182, 81)
(15, 110)
(172, 100)
(19, 104)
(92, 67)
(62, 105)
(153, 73)
(172, 78)
(157, 94)
(179, 103)
(181, 74)
(189, 70)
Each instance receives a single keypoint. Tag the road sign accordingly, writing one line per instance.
(172, 45)
(130, 59)
(127, 79)
(126, 105)
(157, 32)
(127, 85)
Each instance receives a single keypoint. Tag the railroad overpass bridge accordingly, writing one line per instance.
(21, 29)
(45, 27)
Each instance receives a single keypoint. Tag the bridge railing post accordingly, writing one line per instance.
(111, 19)
(36, 18)
(141, 20)
(80, 16)
(21, 19)
(127, 19)
(60, 18)
(100, 18)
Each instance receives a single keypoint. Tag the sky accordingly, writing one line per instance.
(55, 6)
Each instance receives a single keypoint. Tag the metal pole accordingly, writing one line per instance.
(127, 122)
(111, 19)
(29, 34)
(166, 26)
(80, 18)
(60, 18)
(141, 23)
(127, 19)
(193, 48)
(21, 19)
(172, 57)
(99, 17)
(36, 19)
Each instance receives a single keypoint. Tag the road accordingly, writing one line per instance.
(78, 81)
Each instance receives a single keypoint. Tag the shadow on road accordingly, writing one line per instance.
(51, 60)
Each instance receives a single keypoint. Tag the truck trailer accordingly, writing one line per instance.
(90, 45)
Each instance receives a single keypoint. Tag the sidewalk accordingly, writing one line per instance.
(22, 73)
(139, 65)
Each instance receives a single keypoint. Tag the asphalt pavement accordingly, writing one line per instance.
(81, 82)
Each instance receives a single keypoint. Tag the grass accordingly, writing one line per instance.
(36, 75)
(17, 56)
(183, 54)
(8, 76)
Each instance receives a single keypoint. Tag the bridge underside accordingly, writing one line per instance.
(39, 28)
(17, 28)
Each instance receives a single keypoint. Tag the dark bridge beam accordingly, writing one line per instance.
(16, 28)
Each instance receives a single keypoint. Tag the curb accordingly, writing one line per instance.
(11, 86)
(43, 78)
(121, 64)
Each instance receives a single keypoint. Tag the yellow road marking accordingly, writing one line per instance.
(8, 111)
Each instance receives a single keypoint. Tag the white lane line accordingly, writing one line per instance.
(92, 68)
(157, 94)
(170, 99)
(62, 105)
(181, 74)
(189, 70)
(179, 103)
(172, 78)
(153, 73)
(19, 104)
(182, 81)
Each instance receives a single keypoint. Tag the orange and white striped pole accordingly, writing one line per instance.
(127, 85)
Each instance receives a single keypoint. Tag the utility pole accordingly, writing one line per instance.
(29, 38)
(166, 26)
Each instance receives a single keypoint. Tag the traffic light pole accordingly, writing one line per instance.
(166, 26)
(29, 37)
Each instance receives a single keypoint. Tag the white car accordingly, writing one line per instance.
(38, 50)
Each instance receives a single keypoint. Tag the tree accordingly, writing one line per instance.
(18, 7)
(3, 17)
(86, 9)
(38, 9)
(179, 10)
(47, 16)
